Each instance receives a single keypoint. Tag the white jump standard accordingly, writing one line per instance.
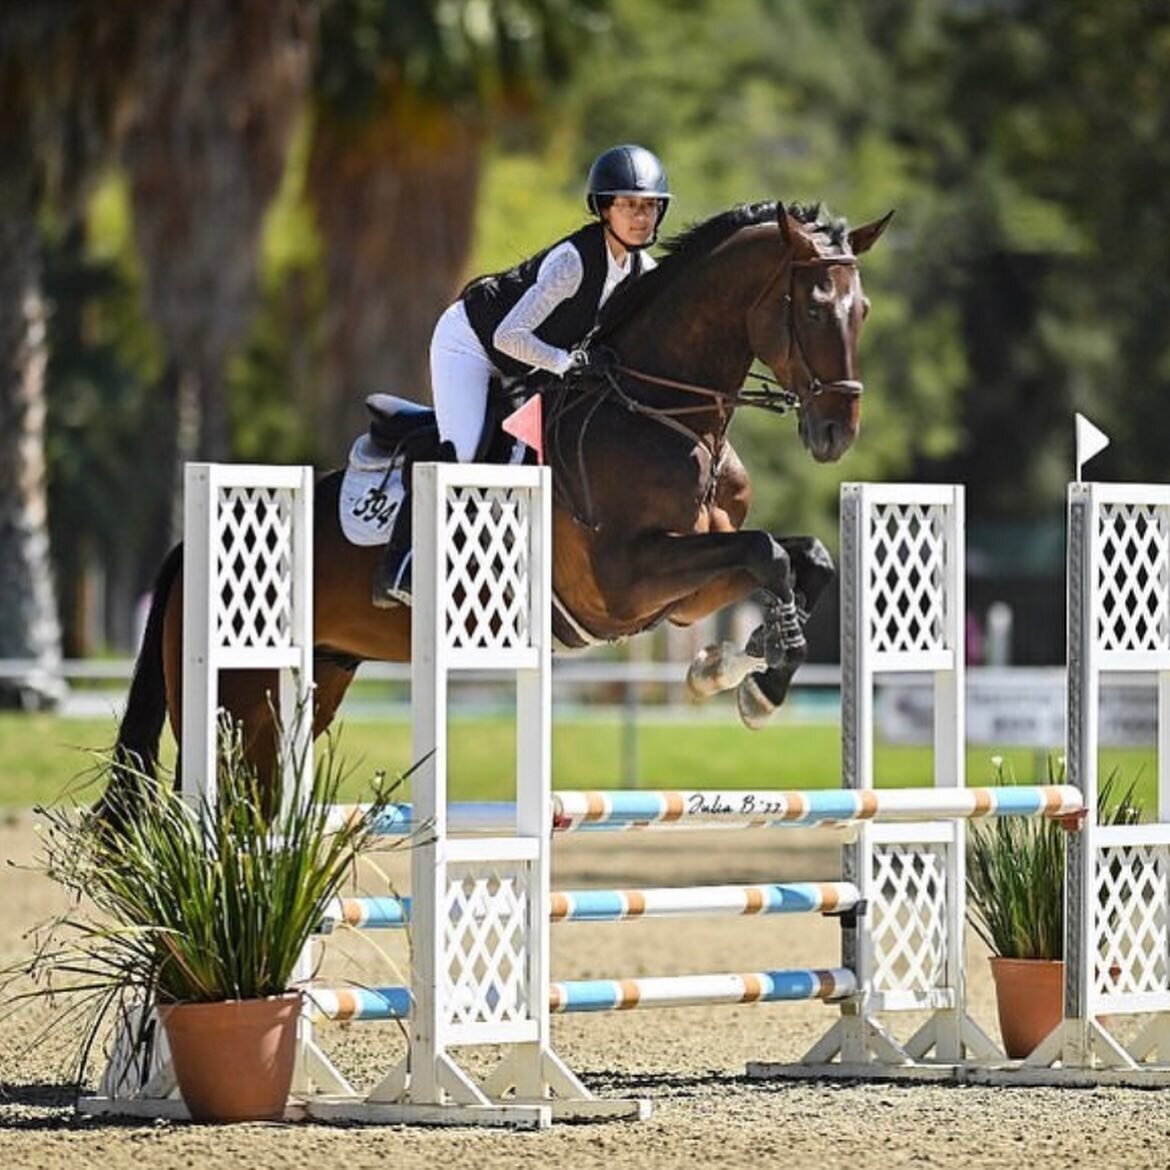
(1117, 919)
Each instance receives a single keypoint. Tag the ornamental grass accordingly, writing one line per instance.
(1015, 873)
(175, 903)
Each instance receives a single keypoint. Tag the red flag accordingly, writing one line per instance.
(527, 425)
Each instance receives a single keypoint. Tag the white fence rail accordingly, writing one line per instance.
(1009, 706)
(571, 674)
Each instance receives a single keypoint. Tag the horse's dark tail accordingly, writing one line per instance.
(136, 751)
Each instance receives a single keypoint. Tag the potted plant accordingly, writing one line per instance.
(1015, 903)
(201, 914)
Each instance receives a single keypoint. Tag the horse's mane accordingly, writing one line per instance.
(702, 238)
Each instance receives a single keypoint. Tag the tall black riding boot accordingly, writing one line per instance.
(392, 577)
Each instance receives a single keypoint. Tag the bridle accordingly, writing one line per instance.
(771, 395)
(849, 387)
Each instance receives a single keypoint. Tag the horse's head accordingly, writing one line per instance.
(805, 325)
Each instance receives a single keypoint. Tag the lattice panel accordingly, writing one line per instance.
(253, 543)
(908, 917)
(1133, 889)
(1133, 577)
(486, 540)
(907, 578)
(486, 936)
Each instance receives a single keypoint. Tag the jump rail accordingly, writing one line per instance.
(381, 913)
(614, 995)
(622, 808)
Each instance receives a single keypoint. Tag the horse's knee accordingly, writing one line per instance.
(816, 558)
(772, 566)
(812, 568)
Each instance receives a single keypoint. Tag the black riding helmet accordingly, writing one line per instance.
(627, 170)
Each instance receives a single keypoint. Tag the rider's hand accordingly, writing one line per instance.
(594, 362)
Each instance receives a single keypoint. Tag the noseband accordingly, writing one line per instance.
(777, 400)
(848, 387)
(771, 395)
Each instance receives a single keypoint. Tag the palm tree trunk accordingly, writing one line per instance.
(395, 201)
(218, 89)
(29, 626)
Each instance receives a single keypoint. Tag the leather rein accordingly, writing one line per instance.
(770, 395)
(779, 400)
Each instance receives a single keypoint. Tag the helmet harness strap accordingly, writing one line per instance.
(628, 246)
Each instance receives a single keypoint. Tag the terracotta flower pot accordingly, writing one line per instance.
(1030, 997)
(234, 1060)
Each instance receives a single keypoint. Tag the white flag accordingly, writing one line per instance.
(1090, 441)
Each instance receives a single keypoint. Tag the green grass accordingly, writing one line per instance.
(43, 757)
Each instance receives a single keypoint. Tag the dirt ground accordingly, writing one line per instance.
(688, 1062)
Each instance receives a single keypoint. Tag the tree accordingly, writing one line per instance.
(57, 96)
(405, 96)
(1049, 150)
(796, 104)
(216, 92)
(102, 405)
(28, 614)
(1090, 129)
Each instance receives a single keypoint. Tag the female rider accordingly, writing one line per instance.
(537, 314)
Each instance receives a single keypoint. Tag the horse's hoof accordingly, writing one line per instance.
(755, 708)
(788, 657)
(705, 675)
(698, 684)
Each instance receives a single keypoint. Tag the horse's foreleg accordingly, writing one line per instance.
(763, 677)
(721, 666)
(714, 597)
(664, 569)
(776, 647)
(702, 572)
(760, 692)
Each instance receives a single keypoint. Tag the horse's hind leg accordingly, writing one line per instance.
(249, 698)
(761, 692)
(331, 678)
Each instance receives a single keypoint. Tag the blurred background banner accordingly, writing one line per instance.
(224, 222)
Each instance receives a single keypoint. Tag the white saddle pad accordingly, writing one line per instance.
(371, 495)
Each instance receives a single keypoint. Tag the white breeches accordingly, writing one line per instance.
(460, 375)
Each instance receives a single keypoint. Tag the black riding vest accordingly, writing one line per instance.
(489, 299)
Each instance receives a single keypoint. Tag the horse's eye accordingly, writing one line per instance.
(820, 305)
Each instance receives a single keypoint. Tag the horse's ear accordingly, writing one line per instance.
(795, 234)
(863, 238)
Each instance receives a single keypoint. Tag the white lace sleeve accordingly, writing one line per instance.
(557, 279)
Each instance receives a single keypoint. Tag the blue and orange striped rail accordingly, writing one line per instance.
(606, 995)
(387, 913)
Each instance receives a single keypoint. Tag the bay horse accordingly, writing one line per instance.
(649, 495)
